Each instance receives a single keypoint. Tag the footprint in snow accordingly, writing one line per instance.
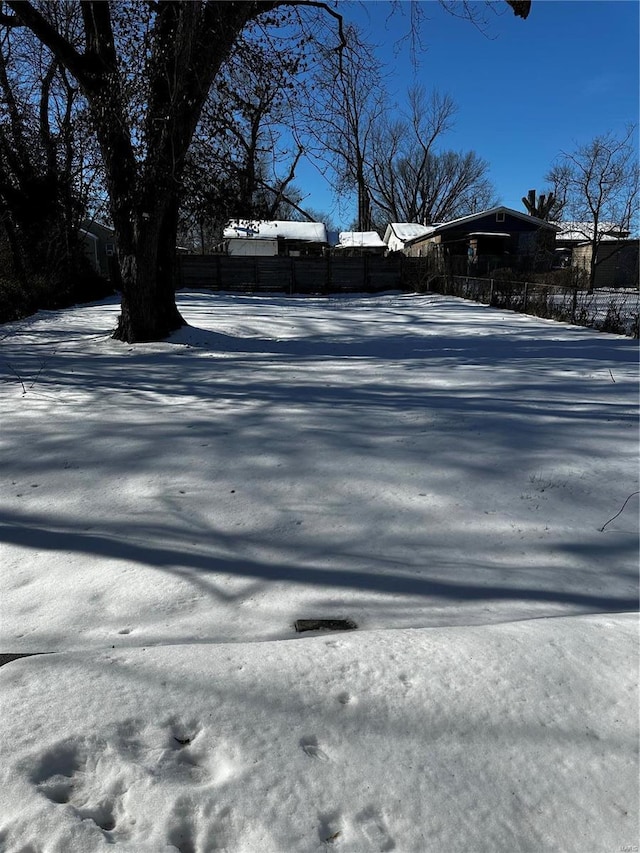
(372, 825)
(406, 682)
(310, 747)
(182, 829)
(330, 828)
(63, 776)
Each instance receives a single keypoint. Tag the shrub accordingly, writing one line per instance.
(80, 284)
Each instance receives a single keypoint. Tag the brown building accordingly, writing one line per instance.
(616, 262)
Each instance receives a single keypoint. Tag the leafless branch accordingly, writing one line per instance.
(620, 511)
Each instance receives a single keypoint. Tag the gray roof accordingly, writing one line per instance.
(474, 217)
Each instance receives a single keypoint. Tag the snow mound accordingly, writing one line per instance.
(518, 736)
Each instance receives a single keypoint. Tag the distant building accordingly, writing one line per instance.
(616, 253)
(572, 234)
(360, 243)
(481, 242)
(278, 237)
(99, 245)
(398, 234)
(616, 262)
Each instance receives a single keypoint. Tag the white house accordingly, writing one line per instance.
(358, 242)
(398, 234)
(581, 232)
(252, 237)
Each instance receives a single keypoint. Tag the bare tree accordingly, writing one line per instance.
(598, 185)
(340, 129)
(241, 163)
(546, 206)
(43, 142)
(396, 167)
(183, 46)
(411, 179)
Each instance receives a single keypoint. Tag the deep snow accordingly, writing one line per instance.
(438, 471)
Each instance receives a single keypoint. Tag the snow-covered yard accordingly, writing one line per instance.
(443, 474)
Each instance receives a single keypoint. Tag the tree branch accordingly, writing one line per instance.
(30, 17)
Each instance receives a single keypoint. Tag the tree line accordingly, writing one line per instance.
(168, 118)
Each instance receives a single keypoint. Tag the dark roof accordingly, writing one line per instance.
(462, 221)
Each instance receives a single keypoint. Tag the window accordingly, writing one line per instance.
(500, 216)
(110, 250)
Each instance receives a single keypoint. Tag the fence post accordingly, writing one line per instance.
(491, 293)
(526, 296)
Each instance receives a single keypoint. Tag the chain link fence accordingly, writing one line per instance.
(615, 310)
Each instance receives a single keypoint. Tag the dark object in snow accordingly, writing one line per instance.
(324, 625)
(7, 657)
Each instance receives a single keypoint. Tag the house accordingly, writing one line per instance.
(481, 242)
(99, 245)
(616, 261)
(360, 243)
(278, 237)
(616, 253)
(398, 234)
(571, 234)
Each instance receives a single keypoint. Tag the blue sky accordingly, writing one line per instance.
(525, 89)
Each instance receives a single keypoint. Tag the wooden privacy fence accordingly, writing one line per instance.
(303, 275)
(608, 310)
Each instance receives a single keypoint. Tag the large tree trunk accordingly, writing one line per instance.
(149, 311)
(147, 257)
